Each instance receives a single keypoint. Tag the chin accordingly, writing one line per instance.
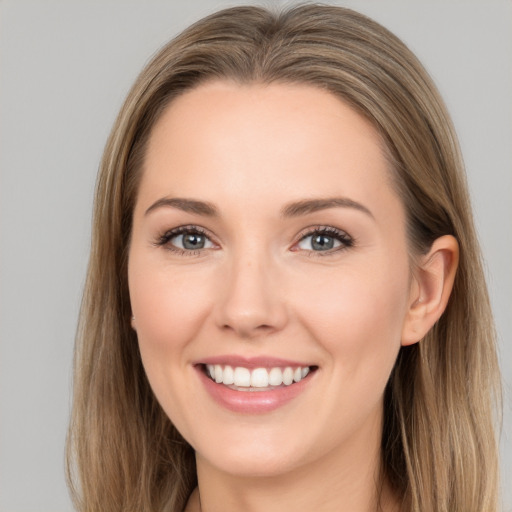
(254, 465)
(252, 453)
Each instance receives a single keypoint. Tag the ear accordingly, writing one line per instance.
(132, 322)
(431, 287)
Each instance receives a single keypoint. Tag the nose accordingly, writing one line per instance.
(251, 303)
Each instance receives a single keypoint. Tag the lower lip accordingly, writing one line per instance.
(252, 402)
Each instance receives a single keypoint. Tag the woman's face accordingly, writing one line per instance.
(268, 244)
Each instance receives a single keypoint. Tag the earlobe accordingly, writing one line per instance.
(431, 288)
(132, 322)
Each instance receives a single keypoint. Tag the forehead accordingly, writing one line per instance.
(247, 141)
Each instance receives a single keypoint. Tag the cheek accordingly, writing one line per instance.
(357, 318)
(165, 303)
(169, 309)
(357, 315)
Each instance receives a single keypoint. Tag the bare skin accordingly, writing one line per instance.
(242, 268)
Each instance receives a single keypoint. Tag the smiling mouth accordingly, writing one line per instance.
(257, 379)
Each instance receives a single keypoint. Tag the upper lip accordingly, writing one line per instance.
(252, 362)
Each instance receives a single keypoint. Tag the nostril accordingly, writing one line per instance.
(248, 331)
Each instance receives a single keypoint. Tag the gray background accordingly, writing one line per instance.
(65, 67)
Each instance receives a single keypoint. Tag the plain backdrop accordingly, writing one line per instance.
(65, 67)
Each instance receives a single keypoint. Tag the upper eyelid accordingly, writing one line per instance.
(180, 230)
(169, 234)
(311, 230)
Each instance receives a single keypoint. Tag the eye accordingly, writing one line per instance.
(326, 239)
(186, 239)
(191, 241)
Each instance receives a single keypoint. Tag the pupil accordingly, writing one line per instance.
(322, 242)
(193, 241)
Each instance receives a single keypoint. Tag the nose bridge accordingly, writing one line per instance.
(252, 301)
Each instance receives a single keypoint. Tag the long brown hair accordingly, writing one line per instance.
(439, 449)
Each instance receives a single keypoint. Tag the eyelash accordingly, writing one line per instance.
(163, 240)
(346, 240)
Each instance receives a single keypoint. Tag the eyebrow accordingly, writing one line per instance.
(295, 209)
(186, 205)
(307, 206)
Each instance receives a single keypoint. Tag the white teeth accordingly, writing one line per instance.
(218, 373)
(242, 377)
(275, 377)
(228, 376)
(258, 378)
(287, 376)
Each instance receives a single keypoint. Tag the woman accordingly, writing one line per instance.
(285, 305)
